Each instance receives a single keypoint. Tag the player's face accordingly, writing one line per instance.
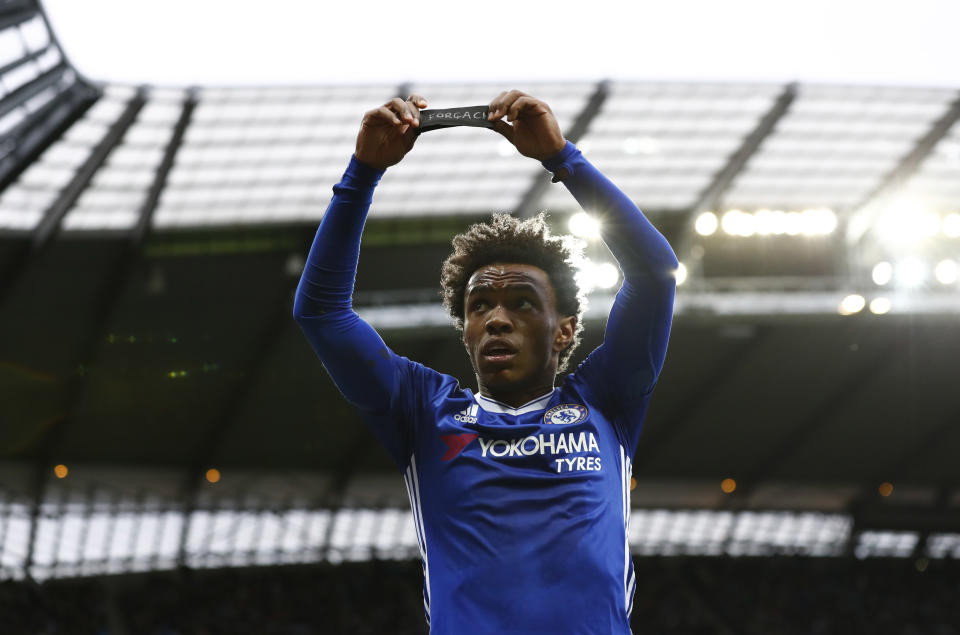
(512, 330)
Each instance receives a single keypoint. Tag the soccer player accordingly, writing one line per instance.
(521, 491)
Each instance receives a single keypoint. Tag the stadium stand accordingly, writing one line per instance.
(162, 420)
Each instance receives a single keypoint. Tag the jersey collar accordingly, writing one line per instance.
(490, 405)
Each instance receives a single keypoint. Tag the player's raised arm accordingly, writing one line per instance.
(354, 355)
(629, 361)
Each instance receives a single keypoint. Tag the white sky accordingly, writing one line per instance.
(183, 42)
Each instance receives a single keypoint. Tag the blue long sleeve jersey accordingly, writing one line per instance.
(522, 514)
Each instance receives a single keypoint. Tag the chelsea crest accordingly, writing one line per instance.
(565, 414)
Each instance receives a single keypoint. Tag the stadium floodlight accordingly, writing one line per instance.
(928, 225)
(748, 225)
(851, 304)
(583, 225)
(950, 225)
(946, 271)
(880, 306)
(793, 223)
(706, 223)
(911, 273)
(907, 222)
(882, 273)
(817, 222)
(591, 275)
(681, 274)
(738, 223)
(607, 275)
(778, 222)
(770, 222)
(730, 222)
(764, 222)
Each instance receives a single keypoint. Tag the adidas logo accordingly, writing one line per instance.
(467, 415)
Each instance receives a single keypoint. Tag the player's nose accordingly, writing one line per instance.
(498, 321)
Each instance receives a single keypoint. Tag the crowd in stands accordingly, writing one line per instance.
(688, 596)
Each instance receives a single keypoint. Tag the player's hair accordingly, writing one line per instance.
(511, 240)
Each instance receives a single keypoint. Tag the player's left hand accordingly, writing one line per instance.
(535, 131)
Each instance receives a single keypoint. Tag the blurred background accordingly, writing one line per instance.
(174, 459)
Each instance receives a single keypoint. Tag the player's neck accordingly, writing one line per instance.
(517, 398)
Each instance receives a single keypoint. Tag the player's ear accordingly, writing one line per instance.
(566, 327)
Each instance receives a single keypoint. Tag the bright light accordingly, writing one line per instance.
(911, 273)
(766, 222)
(828, 221)
(606, 275)
(808, 222)
(61, 471)
(681, 274)
(737, 223)
(793, 223)
(213, 475)
(950, 225)
(885, 489)
(880, 306)
(851, 304)
(882, 272)
(946, 271)
(728, 485)
(731, 222)
(584, 226)
(778, 222)
(817, 222)
(706, 223)
(907, 222)
(928, 225)
(593, 275)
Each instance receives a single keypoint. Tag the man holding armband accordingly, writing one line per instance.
(521, 491)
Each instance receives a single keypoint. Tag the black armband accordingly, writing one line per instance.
(473, 116)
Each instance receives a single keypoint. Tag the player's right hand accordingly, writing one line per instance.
(389, 132)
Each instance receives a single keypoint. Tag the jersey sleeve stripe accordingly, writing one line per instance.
(629, 579)
(413, 492)
(413, 508)
(423, 533)
(623, 486)
(623, 512)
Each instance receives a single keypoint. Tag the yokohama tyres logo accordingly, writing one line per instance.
(456, 443)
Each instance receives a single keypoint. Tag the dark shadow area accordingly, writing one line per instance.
(674, 596)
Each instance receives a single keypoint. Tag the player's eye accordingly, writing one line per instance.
(525, 303)
(479, 305)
